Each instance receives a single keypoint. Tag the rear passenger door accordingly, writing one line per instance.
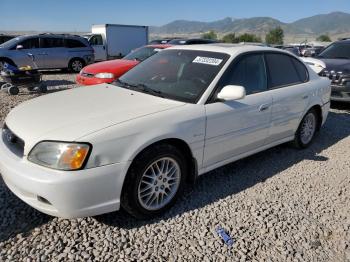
(54, 52)
(290, 90)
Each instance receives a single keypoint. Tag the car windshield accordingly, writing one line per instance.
(181, 75)
(10, 43)
(142, 53)
(336, 51)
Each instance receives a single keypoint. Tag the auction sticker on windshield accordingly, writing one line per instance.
(207, 60)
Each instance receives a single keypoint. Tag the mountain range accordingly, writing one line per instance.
(335, 24)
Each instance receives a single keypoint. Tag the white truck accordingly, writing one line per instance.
(111, 41)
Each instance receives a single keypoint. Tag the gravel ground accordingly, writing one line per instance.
(280, 205)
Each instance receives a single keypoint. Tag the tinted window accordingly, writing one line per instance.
(96, 40)
(50, 42)
(249, 72)
(301, 70)
(282, 71)
(72, 43)
(176, 74)
(337, 50)
(29, 43)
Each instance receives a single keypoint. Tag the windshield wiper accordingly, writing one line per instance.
(149, 90)
(144, 88)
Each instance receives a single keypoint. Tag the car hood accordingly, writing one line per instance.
(72, 114)
(338, 65)
(315, 64)
(117, 67)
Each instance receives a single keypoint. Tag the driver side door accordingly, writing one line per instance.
(237, 127)
(31, 50)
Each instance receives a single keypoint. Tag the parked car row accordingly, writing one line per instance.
(178, 114)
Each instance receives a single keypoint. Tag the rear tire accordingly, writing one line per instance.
(306, 130)
(154, 181)
(76, 64)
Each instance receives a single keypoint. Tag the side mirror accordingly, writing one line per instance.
(232, 92)
(19, 47)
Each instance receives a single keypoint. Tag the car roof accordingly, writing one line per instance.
(49, 35)
(159, 46)
(231, 49)
(347, 40)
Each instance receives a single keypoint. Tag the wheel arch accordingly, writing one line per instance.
(8, 60)
(318, 108)
(183, 146)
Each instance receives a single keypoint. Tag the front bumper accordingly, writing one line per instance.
(340, 93)
(86, 81)
(66, 194)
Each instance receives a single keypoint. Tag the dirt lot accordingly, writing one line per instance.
(280, 205)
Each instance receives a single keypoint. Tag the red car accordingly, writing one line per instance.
(108, 71)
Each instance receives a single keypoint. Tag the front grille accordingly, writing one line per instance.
(12, 141)
(337, 78)
(87, 74)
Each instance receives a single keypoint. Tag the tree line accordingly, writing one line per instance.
(273, 37)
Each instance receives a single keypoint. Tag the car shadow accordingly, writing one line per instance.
(211, 187)
(241, 175)
(341, 106)
(16, 216)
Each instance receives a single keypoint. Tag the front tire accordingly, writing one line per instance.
(306, 130)
(154, 181)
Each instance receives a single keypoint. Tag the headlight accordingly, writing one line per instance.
(60, 155)
(104, 75)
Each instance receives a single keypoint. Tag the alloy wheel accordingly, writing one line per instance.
(159, 183)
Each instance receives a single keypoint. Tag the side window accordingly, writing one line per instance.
(301, 70)
(96, 40)
(72, 43)
(249, 72)
(282, 71)
(30, 43)
(50, 42)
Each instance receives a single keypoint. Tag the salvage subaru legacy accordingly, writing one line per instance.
(136, 143)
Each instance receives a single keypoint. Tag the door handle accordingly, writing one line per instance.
(264, 107)
(305, 96)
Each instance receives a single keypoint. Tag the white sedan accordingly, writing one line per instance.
(135, 143)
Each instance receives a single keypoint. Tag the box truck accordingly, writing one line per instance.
(111, 41)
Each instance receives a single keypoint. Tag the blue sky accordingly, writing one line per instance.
(79, 15)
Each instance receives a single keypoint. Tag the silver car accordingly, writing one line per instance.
(47, 51)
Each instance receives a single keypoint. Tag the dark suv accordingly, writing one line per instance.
(49, 51)
(337, 59)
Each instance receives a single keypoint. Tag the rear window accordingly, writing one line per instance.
(73, 43)
(50, 42)
(282, 71)
(301, 70)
